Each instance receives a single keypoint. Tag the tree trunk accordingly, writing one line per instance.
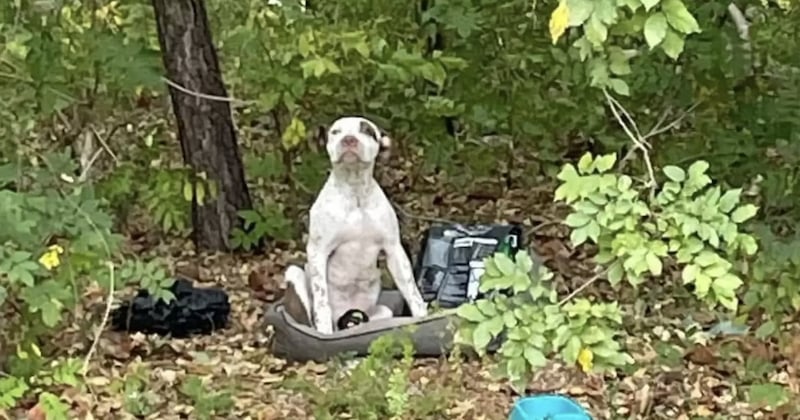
(205, 125)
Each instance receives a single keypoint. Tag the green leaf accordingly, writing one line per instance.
(633, 5)
(673, 44)
(495, 325)
(679, 17)
(654, 263)
(697, 169)
(624, 182)
(524, 261)
(729, 200)
(593, 335)
(596, 31)
(675, 173)
(689, 273)
(51, 315)
(766, 329)
(744, 213)
(481, 337)
(706, 258)
(615, 273)
(702, 284)
(748, 244)
(53, 407)
(509, 319)
(567, 173)
(655, 29)
(200, 192)
(516, 369)
(576, 220)
(649, 4)
(605, 162)
(571, 350)
(619, 86)
(585, 163)
(505, 264)
(768, 394)
(187, 191)
(618, 64)
(535, 357)
(606, 11)
(470, 312)
(486, 307)
(579, 11)
(578, 236)
(726, 285)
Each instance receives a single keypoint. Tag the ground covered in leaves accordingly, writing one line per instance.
(682, 371)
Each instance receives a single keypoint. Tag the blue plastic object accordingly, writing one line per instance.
(548, 407)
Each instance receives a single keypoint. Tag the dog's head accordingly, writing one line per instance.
(355, 140)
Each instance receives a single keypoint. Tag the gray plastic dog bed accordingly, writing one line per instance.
(432, 335)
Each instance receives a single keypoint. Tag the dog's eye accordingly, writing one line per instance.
(365, 128)
(335, 132)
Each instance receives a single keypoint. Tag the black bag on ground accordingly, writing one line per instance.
(193, 311)
(450, 262)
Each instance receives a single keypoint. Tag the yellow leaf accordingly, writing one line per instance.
(559, 20)
(50, 258)
(585, 358)
(294, 134)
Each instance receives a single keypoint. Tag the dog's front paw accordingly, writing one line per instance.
(326, 328)
(419, 310)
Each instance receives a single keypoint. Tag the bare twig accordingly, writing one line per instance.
(638, 141)
(104, 322)
(85, 171)
(582, 287)
(659, 128)
(104, 142)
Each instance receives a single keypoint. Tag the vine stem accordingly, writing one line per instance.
(201, 95)
(104, 322)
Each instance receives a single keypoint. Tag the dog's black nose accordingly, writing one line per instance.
(350, 141)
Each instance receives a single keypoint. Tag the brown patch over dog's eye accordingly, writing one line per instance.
(367, 129)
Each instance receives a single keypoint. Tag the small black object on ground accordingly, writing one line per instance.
(352, 318)
(193, 311)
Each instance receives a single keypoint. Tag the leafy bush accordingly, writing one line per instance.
(377, 387)
(637, 232)
(688, 222)
(774, 283)
(523, 311)
(271, 222)
(57, 242)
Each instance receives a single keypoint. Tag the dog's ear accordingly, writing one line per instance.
(371, 129)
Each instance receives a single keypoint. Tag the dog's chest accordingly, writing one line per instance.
(359, 238)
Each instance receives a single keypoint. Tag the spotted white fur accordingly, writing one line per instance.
(351, 221)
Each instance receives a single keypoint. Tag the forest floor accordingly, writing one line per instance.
(680, 372)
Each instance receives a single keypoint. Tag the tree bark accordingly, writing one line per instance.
(205, 125)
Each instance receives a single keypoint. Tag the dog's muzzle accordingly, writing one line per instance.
(349, 146)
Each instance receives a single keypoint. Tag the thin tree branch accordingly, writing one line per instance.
(638, 141)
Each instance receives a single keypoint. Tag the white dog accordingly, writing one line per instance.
(350, 223)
